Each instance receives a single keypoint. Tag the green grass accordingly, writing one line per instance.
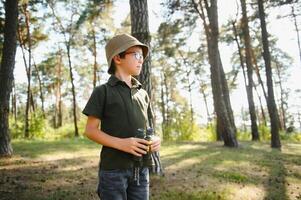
(67, 169)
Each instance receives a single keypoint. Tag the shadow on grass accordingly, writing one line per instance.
(66, 179)
(35, 148)
(212, 157)
(76, 178)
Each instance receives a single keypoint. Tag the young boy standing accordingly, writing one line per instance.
(120, 107)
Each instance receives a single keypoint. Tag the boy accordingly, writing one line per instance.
(120, 108)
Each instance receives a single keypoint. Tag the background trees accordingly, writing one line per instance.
(200, 60)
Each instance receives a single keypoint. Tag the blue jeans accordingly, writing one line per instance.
(118, 184)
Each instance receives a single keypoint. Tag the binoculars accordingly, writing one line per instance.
(146, 159)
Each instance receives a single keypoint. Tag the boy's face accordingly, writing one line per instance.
(132, 62)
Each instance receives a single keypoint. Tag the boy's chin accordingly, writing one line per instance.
(136, 73)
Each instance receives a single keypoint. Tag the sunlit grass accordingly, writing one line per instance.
(67, 169)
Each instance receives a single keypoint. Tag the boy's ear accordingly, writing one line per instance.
(117, 59)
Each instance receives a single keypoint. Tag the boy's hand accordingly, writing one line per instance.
(156, 144)
(135, 146)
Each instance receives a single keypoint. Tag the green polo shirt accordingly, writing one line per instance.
(122, 110)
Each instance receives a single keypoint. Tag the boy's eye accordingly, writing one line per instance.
(137, 55)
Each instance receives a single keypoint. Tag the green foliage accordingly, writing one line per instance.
(182, 128)
(265, 135)
(37, 126)
(40, 128)
(209, 133)
(242, 135)
(292, 137)
(264, 132)
(66, 131)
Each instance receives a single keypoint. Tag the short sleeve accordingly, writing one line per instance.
(96, 103)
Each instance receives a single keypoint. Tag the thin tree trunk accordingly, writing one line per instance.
(273, 113)
(14, 101)
(261, 107)
(203, 92)
(95, 58)
(297, 31)
(41, 85)
(258, 74)
(72, 89)
(166, 107)
(249, 87)
(27, 24)
(282, 101)
(163, 103)
(7, 73)
(58, 106)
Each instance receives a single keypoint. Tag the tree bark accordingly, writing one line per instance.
(41, 86)
(163, 103)
(297, 31)
(7, 73)
(203, 92)
(58, 95)
(72, 89)
(261, 107)
(95, 57)
(140, 30)
(27, 24)
(222, 106)
(249, 87)
(273, 113)
(283, 103)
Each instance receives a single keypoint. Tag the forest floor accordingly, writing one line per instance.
(67, 169)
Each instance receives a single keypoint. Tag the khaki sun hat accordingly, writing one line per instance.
(120, 43)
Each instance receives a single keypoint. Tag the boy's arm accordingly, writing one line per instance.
(135, 146)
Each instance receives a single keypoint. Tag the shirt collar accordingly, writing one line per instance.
(113, 80)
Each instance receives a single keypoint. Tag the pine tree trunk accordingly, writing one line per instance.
(297, 31)
(222, 105)
(74, 107)
(95, 58)
(140, 30)
(249, 87)
(225, 90)
(273, 113)
(261, 108)
(58, 95)
(14, 101)
(7, 73)
(41, 85)
(282, 114)
(203, 92)
(28, 101)
(163, 103)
